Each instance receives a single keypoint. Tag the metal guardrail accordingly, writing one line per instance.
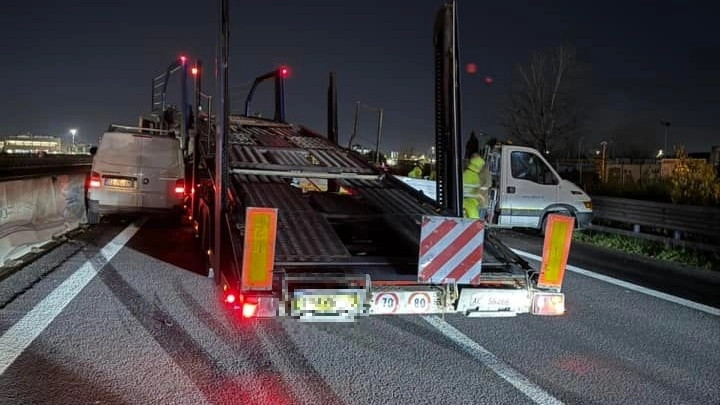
(689, 219)
(14, 167)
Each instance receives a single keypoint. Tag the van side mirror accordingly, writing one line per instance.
(93, 150)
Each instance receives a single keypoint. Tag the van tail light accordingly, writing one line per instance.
(95, 179)
(180, 186)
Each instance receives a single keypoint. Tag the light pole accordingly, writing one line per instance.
(579, 153)
(73, 132)
(604, 146)
(665, 124)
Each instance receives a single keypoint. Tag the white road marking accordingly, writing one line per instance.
(26, 330)
(519, 381)
(630, 286)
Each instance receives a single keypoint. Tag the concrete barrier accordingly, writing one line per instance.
(36, 210)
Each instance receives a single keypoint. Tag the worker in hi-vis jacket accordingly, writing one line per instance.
(476, 186)
(416, 172)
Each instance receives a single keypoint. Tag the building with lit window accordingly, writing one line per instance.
(29, 143)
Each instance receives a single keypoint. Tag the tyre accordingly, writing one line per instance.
(93, 216)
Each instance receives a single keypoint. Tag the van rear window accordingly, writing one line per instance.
(146, 151)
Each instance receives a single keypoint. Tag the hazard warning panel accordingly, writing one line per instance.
(450, 250)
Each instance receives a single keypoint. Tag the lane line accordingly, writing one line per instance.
(16, 339)
(507, 373)
(630, 286)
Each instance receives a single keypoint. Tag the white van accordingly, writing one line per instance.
(525, 190)
(136, 170)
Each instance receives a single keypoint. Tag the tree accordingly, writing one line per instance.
(544, 109)
(693, 181)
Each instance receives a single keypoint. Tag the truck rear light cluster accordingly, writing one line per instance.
(249, 309)
(548, 304)
(95, 180)
(230, 298)
(180, 186)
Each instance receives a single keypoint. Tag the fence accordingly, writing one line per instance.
(682, 220)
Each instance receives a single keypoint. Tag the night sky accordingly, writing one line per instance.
(85, 64)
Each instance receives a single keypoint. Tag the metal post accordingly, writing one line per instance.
(455, 116)
(355, 124)
(221, 124)
(379, 133)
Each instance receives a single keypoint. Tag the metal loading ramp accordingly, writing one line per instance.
(303, 234)
(401, 209)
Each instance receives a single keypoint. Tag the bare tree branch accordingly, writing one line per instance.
(543, 109)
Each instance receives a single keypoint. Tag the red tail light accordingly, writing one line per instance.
(230, 298)
(180, 186)
(95, 180)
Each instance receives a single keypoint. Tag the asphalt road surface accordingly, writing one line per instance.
(125, 315)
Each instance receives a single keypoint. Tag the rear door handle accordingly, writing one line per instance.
(511, 190)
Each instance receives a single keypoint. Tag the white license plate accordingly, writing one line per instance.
(119, 183)
(326, 303)
(492, 301)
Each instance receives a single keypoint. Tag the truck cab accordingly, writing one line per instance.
(525, 190)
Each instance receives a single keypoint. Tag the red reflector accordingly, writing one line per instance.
(248, 310)
(230, 298)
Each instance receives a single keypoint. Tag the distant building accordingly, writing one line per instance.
(29, 143)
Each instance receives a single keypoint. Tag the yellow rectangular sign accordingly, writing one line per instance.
(259, 248)
(558, 236)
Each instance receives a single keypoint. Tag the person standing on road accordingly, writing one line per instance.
(476, 186)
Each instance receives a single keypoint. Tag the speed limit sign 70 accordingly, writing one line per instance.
(386, 303)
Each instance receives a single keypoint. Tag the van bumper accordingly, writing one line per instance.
(102, 209)
(583, 219)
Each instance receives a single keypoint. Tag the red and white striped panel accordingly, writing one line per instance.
(451, 250)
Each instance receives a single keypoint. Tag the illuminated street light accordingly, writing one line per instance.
(73, 132)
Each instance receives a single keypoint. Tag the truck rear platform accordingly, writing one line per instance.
(352, 248)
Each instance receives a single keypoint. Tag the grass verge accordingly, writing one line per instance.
(651, 249)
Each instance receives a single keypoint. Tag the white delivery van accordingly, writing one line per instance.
(136, 171)
(525, 190)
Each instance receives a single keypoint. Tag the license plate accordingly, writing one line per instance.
(119, 183)
(325, 303)
(492, 301)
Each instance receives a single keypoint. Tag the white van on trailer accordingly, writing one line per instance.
(136, 171)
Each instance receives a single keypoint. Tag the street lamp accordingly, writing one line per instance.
(604, 147)
(665, 124)
(73, 132)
